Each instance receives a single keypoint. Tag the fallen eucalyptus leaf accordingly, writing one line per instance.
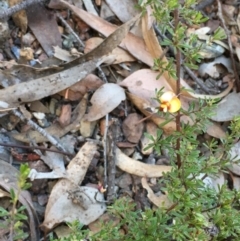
(119, 55)
(133, 44)
(68, 202)
(59, 79)
(104, 100)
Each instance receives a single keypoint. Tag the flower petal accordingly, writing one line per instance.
(175, 105)
(167, 96)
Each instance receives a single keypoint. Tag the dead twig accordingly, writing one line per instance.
(220, 15)
(113, 136)
(105, 148)
(68, 27)
(35, 147)
(4, 14)
(199, 81)
(51, 139)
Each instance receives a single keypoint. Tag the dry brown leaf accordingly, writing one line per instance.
(44, 26)
(68, 202)
(26, 54)
(131, 127)
(150, 39)
(20, 17)
(216, 130)
(104, 100)
(119, 55)
(228, 13)
(138, 168)
(125, 144)
(133, 44)
(38, 106)
(144, 82)
(65, 117)
(77, 91)
(89, 83)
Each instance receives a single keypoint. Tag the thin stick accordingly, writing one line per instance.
(105, 149)
(51, 139)
(112, 160)
(35, 147)
(220, 15)
(68, 27)
(199, 81)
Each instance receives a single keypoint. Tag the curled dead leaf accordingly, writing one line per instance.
(69, 202)
(138, 168)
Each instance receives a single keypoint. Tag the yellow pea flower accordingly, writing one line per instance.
(169, 102)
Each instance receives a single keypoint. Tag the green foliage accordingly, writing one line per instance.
(176, 37)
(14, 218)
(219, 34)
(198, 211)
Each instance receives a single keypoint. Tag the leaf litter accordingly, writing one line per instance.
(71, 92)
